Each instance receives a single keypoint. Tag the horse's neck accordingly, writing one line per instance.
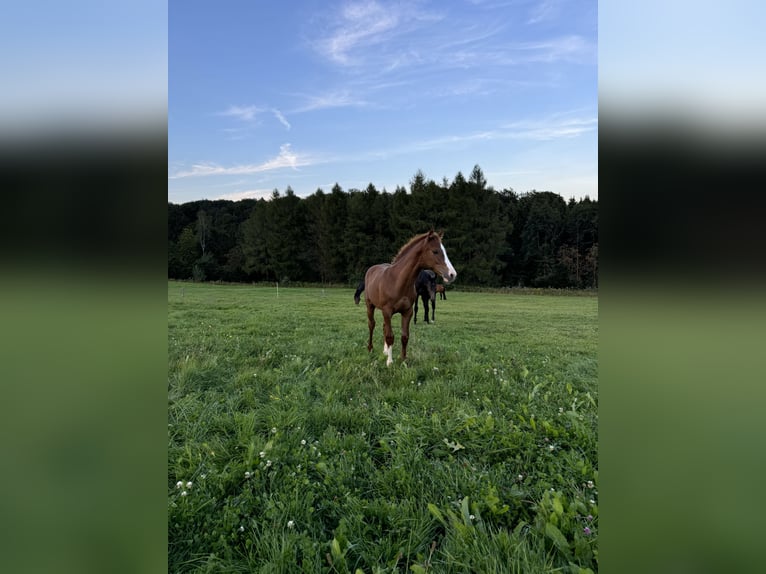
(408, 268)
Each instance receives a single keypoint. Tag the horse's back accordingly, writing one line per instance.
(381, 293)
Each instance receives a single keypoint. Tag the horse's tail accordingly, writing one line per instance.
(359, 290)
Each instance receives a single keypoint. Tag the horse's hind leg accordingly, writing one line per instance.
(370, 323)
(416, 308)
(433, 310)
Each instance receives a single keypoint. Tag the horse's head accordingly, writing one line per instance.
(426, 284)
(434, 256)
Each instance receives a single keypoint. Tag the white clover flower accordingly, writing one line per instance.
(241, 528)
(268, 463)
(472, 517)
(247, 474)
(273, 430)
(262, 454)
(184, 493)
(290, 523)
(189, 484)
(551, 448)
(179, 484)
(592, 501)
(590, 484)
(521, 477)
(303, 442)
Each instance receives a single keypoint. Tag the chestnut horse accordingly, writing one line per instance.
(441, 291)
(425, 289)
(391, 286)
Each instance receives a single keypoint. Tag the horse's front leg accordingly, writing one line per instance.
(433, 310)
(406, 316)
(388, 335)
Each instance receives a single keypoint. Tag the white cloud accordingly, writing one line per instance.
(545, 10)
(338, 99)
(360, 24)
(281, 118)
(571, 47)
(548, 129)
(364, 31)
(244, 113)
(247, 194)
(542, 130)
(286, 158)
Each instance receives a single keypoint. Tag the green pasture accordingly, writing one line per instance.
(293, 449)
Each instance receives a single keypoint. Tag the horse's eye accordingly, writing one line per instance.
(435, 252)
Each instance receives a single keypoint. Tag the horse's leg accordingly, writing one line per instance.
(416, 308)
(388, 335)
(406, 316)
(370, 323)
(433, 310)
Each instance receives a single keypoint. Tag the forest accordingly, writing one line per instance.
(494, 238)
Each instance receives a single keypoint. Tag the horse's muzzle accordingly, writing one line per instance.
(449, 277)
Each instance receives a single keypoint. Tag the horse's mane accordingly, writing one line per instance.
(409, 245)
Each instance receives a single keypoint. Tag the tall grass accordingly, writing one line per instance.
(305, 453)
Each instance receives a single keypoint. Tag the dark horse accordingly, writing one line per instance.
(391, 286)
(441, 291)
(425, 287)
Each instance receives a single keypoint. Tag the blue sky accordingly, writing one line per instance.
(307, 93)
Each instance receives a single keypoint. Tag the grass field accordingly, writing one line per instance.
(293, 449)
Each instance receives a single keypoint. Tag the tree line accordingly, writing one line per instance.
(494, 238)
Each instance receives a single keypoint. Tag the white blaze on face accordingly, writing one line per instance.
(388, 352)
(451, 273)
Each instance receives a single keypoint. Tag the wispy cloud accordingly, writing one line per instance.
(571, 48)
(543, 130)
(281, 118)
(359, 24)
(335, 99)
(286, 158)
(244, 113)
(549, 129)
(545, 10)
(376, 39)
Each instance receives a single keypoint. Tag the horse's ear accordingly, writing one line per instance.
(441, 234)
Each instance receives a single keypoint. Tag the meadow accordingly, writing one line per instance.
(293, 449)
